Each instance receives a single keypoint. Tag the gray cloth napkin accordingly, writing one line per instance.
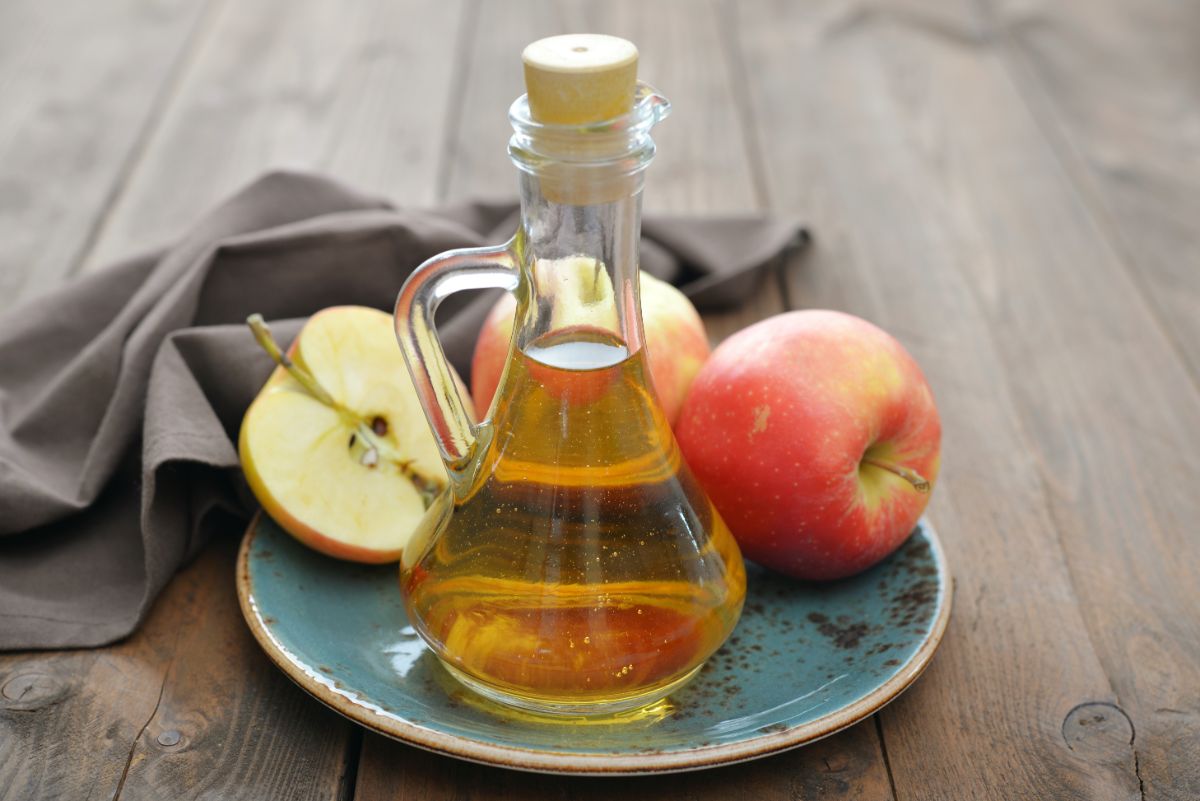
(121, 393)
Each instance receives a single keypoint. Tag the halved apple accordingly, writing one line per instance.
(336, 447)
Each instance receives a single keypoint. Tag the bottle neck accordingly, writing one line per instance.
(580, 259)
(581, 196)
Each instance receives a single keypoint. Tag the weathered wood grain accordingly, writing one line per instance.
(278, 84)
(703, 164)
(68, 719)
(1115, 416)
(1112, 417)
(1115, 87)
(228, 724)
(80, 84)
(899, 135)
(354, 90)
(1011, 188)
(826, 770)
(681, 51)
(188, 706)
(684, 54)
(475, 157)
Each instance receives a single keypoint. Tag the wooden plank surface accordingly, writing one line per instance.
(902, 110)
(68, 719)
(1115, 88)
(227, 723)
(680, 48)
(476, 162)
(357, 91)
(81, 85)
(826, 770)
(1114, 416)
(189, 706)
(1009, 187)
(1071, 423)
(292, 85)
(703, 165)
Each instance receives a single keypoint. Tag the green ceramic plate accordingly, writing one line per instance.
(805, 661)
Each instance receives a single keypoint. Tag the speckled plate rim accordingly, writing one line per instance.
(526, 759)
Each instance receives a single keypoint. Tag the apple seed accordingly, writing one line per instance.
(371, 435)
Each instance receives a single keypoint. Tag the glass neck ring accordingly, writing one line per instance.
(581, 223)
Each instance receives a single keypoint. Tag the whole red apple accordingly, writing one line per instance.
(676, 345)
(816, 436)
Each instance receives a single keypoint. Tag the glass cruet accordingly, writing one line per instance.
(573, 565)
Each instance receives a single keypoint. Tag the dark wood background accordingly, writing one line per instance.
(1011, 187)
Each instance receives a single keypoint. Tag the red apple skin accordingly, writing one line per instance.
(676, 345)
(491, 352)
(776, 427)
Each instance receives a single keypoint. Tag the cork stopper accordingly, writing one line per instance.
(580, 78)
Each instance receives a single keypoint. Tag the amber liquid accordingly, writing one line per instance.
(583, 569)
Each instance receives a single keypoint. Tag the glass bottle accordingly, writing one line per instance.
(573, 565)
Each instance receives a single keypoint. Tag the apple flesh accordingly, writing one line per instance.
(817, 438)
(675, 340)
(335, 446)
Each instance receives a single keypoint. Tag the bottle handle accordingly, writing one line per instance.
(432, 282)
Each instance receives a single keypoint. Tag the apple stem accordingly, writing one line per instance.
(262, 335)
(376, 447)
(919, 482)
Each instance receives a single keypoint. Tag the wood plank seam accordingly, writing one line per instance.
(137, 738)
(947, 33)
(1060, 548)
(739, 74)
(1044, 113)
(150, 125)
(1043, 488)
(458, 81)
(735, 65)
(349, 778)
(1042, 109)
(887, 763)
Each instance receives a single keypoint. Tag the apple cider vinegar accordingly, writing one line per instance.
(585, 568)
(573, 566)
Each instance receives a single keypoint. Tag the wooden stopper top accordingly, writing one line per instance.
(580, 78)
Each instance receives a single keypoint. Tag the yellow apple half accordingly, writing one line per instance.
(307, 462)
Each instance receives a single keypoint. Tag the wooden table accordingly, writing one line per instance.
(1012, 187)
